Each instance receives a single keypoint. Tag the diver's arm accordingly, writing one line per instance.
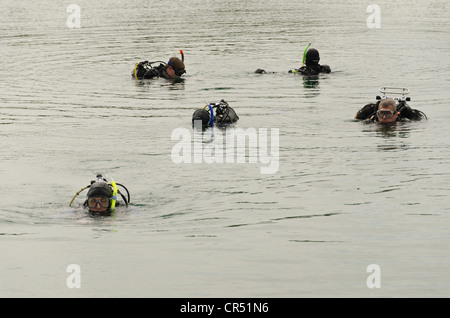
(366, 112)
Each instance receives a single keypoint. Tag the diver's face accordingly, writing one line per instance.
(387, 115)
(98, 204)
(174, 73)
(171, 72)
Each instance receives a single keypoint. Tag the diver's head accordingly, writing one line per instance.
(387, 111)
(99, 197)
(175, 67)
(312, 57)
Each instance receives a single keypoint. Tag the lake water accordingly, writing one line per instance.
(345, 195)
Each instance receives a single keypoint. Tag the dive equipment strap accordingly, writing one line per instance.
(70, 204)
(212, 115)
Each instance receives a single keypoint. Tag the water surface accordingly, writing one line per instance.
(346, 194)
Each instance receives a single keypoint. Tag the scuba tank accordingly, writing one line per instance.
(147, 69)
(223, 116)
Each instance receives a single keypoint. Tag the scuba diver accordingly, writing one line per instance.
(222, 118)
(101, 198)
(173, 69)
(310, 63)
(390, 110)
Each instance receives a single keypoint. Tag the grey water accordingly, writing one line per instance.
(346, 194)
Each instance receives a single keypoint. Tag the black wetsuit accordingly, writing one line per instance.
(312, 69)
(368, 112)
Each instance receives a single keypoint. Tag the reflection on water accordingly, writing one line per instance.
(171, 84)
(310, 82)
(393, 136)
(400, 130)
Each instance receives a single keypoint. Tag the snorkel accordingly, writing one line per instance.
(303, 60)
(182, 55)
(114, 196)
(304, 54)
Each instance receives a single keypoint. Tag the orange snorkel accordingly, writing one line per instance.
(182, 55)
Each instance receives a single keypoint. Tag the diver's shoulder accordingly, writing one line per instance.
(305, 70)
(325, 69)
(367, 111)
(410, 113)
